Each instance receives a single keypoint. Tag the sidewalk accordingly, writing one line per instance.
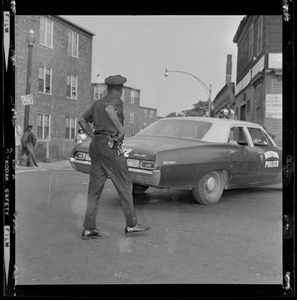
(54, 165)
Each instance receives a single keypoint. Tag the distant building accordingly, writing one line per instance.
(258, 91)
(136, 116)
(225, 98)
(60, 81)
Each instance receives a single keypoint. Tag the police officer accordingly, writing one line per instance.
(107, 159)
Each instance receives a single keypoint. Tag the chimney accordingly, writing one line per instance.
(229, 68)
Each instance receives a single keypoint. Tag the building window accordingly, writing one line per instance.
(123, 95)
(251, 44)
(144, 125)
(73, 44)
(100, 91)
(71, 87)
(46, 32)
(70, 128)
(45, 80)
(132, 97)
(96, 92)
(248, 105)
(145, 113)
(152, 114)
(259, 35)
(131, 120)
(43, 126)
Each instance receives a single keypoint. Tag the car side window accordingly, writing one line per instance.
(259, 138)
(237, 136)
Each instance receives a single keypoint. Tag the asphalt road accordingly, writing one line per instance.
(237, 241)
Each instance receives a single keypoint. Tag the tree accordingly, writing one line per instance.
(174, 114)
(198, 109)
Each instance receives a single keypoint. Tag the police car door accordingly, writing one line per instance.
(245, 160)
(270, 158)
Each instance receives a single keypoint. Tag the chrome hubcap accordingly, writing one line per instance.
(211, 184)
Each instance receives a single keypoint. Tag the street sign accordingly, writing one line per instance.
(27, 99)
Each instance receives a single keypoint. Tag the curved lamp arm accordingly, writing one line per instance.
(203, 84)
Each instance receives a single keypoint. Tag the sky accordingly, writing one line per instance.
(140, 48)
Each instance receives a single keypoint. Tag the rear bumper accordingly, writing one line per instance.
(80, 165)
(145, 177)
(138, 176)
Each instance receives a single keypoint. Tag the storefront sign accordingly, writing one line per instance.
(258, 67)
(27, 100)
(274, 106)
(275, 61)
(243, 83)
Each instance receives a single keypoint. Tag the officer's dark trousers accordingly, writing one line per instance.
(106, 162)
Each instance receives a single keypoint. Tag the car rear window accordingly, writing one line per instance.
(178, 128)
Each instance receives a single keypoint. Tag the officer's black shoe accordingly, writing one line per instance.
(94, 234)
(136, 229)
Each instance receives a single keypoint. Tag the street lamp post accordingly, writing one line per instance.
(31, 37)
(206, 89)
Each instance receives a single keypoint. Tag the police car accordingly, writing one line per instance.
(205, 155)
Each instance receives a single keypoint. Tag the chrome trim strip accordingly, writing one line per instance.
(78, 161)
(140, 171)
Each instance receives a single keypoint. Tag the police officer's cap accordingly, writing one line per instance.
(115, 80)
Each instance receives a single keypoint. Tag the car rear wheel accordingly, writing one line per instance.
(139, 189)
(210, 188)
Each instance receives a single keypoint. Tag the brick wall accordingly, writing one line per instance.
(56, 104)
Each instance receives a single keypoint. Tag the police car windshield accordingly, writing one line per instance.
(178, 128)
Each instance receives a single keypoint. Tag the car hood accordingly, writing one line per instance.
(146, 147)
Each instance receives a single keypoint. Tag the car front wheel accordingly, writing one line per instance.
(210, 188)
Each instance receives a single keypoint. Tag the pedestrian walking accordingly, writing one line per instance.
(107, 159)
(28, 143)
(81, 136)
(18, 136)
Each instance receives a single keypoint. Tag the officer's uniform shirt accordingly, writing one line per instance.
(97, 114)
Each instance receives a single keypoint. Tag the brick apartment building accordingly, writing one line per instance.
(60, 80)
(258, 91)
(136, 117)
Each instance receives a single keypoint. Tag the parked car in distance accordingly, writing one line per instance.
(205, 155)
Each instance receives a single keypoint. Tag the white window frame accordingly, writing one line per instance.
(132, 97)
(260, 35)
(96, 92)
(251, 42)
(71, 87)
(73, 45)
(44, 79)
(74, 122)
(123, 95)
(102, 91)
(43, 126)
(152, 114)
(131, 117)
(44, 32)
